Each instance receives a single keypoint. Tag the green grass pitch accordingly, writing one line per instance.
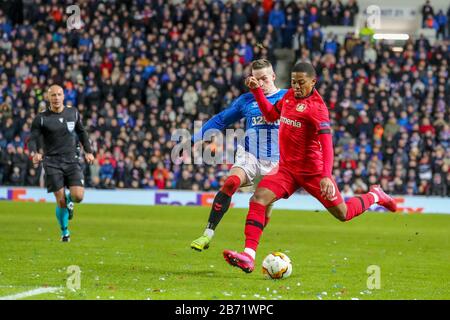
(137, 252)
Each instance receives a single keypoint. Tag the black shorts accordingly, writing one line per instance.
(60, 174)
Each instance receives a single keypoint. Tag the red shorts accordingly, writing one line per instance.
(283, 184)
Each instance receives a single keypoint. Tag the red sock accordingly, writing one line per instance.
(254, 225)
(232, 183)
(358, 204)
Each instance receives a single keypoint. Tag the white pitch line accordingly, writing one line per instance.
(30, 293)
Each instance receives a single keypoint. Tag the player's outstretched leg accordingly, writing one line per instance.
(361, 203)
(220, 205)
(254, 226)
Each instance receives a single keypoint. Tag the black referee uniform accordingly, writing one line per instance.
(60, 134)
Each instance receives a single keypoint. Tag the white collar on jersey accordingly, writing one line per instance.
(269, 95)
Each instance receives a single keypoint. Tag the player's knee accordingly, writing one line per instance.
(77, 196)
(339, 212)
(261, 196)
(342, 215)
(232, 183)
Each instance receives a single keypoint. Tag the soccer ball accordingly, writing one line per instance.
(277, 265)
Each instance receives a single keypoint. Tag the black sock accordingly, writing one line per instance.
(220, 205)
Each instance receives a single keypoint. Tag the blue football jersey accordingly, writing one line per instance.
(261, 138)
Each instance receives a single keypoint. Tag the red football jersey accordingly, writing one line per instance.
(301, 122)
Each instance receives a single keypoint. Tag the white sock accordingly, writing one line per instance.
(251, 252)
(375, 196)
(209, 233)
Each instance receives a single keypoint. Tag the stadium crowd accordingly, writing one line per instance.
(138, 71)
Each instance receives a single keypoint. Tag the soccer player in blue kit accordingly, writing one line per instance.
(257, 156)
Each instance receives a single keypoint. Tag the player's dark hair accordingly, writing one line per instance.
(261, 64)
(305, 67)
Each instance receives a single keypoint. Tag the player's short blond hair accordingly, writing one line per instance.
(261, 64)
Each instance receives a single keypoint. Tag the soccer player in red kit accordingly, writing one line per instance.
(306, 160)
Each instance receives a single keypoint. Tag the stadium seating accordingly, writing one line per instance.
(138, 75)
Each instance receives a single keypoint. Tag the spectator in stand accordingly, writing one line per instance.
(32, 178)
(347, 19)
(427, 10)
(290, 27)
(353, 8)
(439, 187)
(314, 36)
(442, 21)
(185, 183)
(331, 45)
(347, 191)
(431, 23)
(106, 173)
(190, 99)
(160, 176)
(277, 20)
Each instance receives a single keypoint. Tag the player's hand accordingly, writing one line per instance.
(252, 82)
(37, 158)
(327, 188)
(89, 158)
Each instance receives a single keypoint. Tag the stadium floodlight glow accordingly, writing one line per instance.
(391, 36)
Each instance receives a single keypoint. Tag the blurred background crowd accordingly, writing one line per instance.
(138, 70)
